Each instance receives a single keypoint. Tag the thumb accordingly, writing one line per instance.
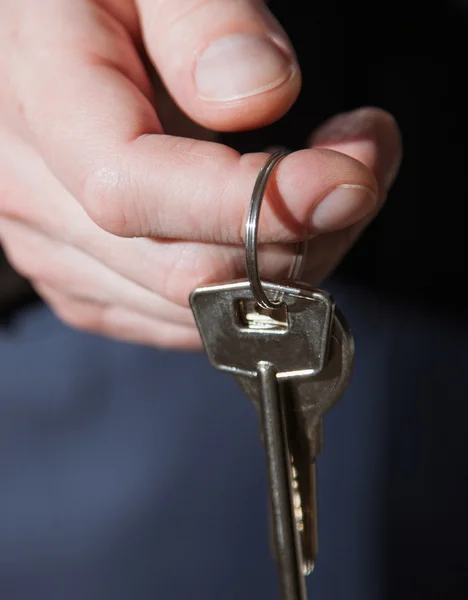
(228, 65)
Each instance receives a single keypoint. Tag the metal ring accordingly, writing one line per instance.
(251, 235)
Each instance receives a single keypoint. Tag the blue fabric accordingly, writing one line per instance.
(128, 473)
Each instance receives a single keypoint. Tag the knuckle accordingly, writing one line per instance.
(18, 265)
(42, 270)
(11, 195)
(80, 320)
(184, 269)
(103, 200)
(77, 315)
(28, 260)
(23, 264)
(189, 268)
(175, 275)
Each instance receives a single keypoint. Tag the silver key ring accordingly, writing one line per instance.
(251, 236)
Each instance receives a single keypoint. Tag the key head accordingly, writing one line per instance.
(237, 334)
(309, 398)
(316, 395)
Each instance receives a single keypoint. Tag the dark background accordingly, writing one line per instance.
(410, 58)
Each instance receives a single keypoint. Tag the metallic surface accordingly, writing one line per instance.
(286, 535)
(251, 234)
(309, 397)
(294, 362)
(235, 339)
(306, 400)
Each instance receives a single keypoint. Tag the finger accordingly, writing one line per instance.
(155, 278)
(358, 134)
(229, 65)
(201, 191)
(38, 257)
(372, 136)
(170, 268)
(134, 182)
(118, 322)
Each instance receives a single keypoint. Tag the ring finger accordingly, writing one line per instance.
(75, 273)
(118, 322)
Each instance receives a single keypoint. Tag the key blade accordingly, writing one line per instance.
(286, 536)
(306, 400)
(306, 508)
(304, 478)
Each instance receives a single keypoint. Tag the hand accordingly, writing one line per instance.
(114, 220)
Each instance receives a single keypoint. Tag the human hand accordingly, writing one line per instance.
(114, 220)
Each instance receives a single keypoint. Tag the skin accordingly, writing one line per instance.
(116, 201)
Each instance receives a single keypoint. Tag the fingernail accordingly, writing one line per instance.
(241, 65)
(345, 205)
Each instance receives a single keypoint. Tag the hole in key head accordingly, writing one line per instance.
(252, 316)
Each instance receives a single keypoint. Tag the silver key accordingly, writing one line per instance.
(306, 400)
(294, 362)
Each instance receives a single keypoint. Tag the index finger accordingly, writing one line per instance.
(100, 135)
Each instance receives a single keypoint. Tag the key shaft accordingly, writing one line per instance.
(280, 475)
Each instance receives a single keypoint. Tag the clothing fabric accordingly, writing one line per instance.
(132, 473)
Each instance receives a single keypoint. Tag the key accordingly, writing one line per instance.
(306, 401)
(305, 443)
(294, 362)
